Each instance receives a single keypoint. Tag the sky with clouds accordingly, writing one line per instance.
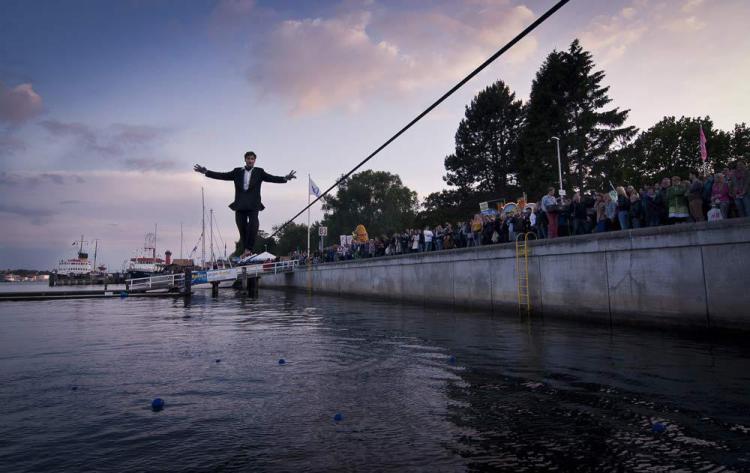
(105, 106)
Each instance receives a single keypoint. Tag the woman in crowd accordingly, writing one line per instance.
(720, 194)
(623, 208)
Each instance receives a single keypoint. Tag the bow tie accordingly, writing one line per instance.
(248, 168)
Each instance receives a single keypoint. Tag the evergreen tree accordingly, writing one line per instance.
(567, 100)
(484, 163)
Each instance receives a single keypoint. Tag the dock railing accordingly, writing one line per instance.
(164, 281)
(177, 281)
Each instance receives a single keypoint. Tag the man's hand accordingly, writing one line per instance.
(290, 176)
(200, 169)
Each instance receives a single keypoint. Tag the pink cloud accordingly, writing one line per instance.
(369, 51)
(18, 104)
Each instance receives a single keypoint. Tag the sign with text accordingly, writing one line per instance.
(322, 231)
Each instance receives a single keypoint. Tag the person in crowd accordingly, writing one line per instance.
(611, 211)
(541, 221)
(695, 198)
(636, 210)
(476, 231)
(428, 236)
(563, 218)
(739, 187)
(623, 208)
(531, 219)
(448, 242)
(578, 215)
(414, 241)
(677, 201)
(551, 208)
(588, 202)
(439, 237)
(720, 194)
(601, 212)
(660, 199)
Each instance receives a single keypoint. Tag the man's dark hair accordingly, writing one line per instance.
(251, 153)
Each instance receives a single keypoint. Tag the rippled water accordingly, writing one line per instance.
(419, 389)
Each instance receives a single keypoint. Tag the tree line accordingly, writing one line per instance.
(503, 148)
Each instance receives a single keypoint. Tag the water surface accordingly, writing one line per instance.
(418, 389)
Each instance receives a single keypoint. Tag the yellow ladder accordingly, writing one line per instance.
(522, 273)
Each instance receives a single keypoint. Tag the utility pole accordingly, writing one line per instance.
(559, 168)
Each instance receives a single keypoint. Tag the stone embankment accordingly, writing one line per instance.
(693, 276)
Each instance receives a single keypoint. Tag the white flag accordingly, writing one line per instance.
(314, 190)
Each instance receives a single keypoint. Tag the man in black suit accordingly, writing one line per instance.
(247, 204)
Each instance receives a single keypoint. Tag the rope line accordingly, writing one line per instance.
(463, 81)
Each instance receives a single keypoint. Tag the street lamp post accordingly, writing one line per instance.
(559, 168)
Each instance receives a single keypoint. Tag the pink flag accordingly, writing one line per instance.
(704, 153)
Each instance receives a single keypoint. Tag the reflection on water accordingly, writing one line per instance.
(417, 388)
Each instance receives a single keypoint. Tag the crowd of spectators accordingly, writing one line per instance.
(669, 201)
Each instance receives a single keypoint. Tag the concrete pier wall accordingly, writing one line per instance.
(690, 275)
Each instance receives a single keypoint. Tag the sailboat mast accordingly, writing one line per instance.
(211, 226)
(154, 248)
(80, 247)
(180, 240)
(203, 230)
(96, 247)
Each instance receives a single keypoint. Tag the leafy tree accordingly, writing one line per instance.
(292, 237)
(451, 205)
(670, 147)
(567, 100)
(376, 199)
(484, 162)
(740, 142)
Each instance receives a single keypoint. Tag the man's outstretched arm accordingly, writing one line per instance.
(224, 176)
(279, 179)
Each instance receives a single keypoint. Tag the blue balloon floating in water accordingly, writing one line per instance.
(452, 360)
(282, 361)
(658, 428)
(338, 417)
(74, 388)
(218, 360)
(123, 294)
(157, 404)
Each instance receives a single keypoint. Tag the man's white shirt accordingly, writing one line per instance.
(246, 182)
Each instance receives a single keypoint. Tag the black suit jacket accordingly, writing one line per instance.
(246, 200)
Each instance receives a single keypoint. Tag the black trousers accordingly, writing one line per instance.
(247, 224)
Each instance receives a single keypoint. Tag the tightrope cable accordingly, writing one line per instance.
(463, 81)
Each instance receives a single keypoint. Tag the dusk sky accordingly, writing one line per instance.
(106, 105)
